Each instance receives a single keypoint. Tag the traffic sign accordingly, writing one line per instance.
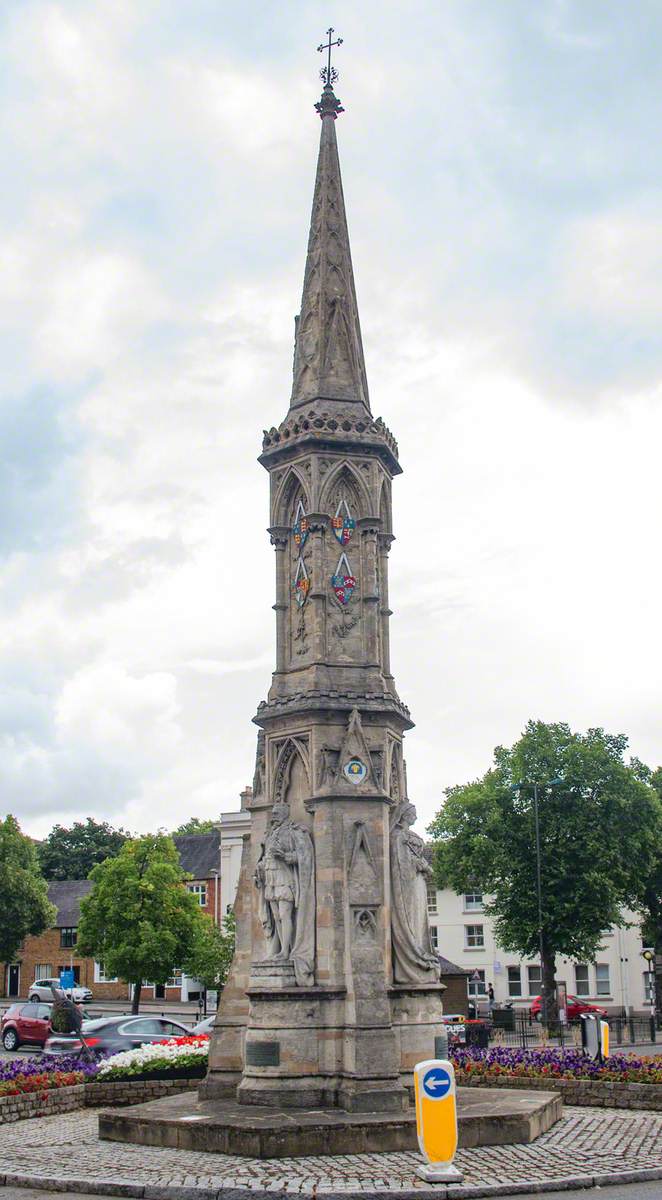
(437, 1083)
(436, 1119)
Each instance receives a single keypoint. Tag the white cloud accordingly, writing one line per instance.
(152, 240)
(612, 267)
(108, 709)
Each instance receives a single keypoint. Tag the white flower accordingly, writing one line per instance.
(144, 1056)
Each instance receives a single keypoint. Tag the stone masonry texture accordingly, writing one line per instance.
(586, 1146)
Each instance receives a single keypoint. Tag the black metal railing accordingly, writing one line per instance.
(510, 1027)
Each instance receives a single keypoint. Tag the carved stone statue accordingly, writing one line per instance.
(285, 878)
(414, 960)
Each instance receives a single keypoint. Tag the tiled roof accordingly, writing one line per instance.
(66, 895)
(199, 853)
(449, 968)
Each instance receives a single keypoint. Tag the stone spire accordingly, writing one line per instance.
(328, 352)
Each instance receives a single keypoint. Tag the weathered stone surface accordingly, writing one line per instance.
(486, 1118)
(595, 1093)
(336, 900)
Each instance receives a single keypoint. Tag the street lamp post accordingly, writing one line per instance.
(536, 821)
(650, 959)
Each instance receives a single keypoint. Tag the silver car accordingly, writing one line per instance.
(41, 990)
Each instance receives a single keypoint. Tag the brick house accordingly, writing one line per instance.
(55, 949)
(45, 956)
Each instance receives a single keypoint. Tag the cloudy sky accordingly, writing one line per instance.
(504, 192)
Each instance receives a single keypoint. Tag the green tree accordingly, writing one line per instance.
(213, 953)
(71, 853)
(651, 901)
(598, 832)
(139, 919)
(196, 825)
(26, 908)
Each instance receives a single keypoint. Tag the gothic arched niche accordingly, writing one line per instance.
(395, 778)
(292, 778)
(343, 486)
(385, 507)
(291, 492)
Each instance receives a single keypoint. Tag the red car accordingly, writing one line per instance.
(574, 1011)
(25, 1022)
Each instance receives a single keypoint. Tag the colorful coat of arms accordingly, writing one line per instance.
(343, 582)
(343, 586)
(301, 527)
(343, 524)
(301, 584)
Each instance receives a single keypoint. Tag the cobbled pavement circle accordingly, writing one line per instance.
(587, 1145)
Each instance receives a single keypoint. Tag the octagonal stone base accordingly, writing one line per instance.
(487, 1117)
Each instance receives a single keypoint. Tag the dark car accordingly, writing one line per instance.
(28, 1022)
(110, 1035)
(574, 1010)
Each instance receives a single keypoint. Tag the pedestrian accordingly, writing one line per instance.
(490, 998)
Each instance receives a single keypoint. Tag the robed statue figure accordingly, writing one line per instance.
(414, 960)
(285, 878)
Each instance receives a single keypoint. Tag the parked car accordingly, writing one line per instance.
(25, 1022)
(110, 1035)
(41, 990)
(205, 1026)
(574, 1010)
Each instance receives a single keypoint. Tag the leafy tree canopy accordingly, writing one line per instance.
(651, 900)
(71, 853)
(197, 825)
(213, 953)
(26, 908)
(599, 827)
(138, 919)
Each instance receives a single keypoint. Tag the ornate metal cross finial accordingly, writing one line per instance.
(328, 74)
(329, 105)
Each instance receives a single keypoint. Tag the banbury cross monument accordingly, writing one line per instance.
(334, 992)
(333, 995)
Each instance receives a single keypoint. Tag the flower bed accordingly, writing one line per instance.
(551, 1063)
(27, 1075)
(178, 1058)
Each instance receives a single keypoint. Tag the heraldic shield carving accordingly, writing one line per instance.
(343, 582)
(301, 527)
(301, 583)
(343, 524)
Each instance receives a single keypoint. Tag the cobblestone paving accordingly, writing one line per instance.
(586, 1142)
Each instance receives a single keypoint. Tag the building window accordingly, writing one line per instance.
(581, 980)
(432, 899)
(175, 980)
(477, 984)
(514, 981)
(474, 937)
(473, 901)
(434, 937)
(68, 937)
(199, 890)
(533, 974)
(602, 987)
(100, 974)
(43, 971)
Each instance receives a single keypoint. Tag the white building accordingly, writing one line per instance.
(463, 932)
(234, 825)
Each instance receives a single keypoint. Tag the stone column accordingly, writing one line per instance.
(279, 540)
(368, 531)
(384, 541)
